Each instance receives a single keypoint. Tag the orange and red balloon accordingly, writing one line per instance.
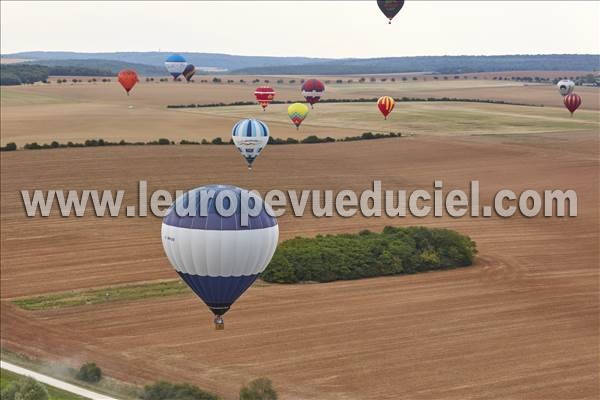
(128, 78)
(386, 105)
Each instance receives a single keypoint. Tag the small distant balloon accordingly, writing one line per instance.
(264, 95)
(386, 105)
(189, 72)
(175, 64)
(565, 86)
(572, 102)
(312, 90)
(297, 112)
(128, 78)
(250, 137)
(390, 8)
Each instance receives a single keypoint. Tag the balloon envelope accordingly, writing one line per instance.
(188, 72)
(250, 136)
(128, 78)
(219, 256)
(297, 112)
(385, 105)
(390, 8)
(565, 86)
(264, 95)
(312, 90)
(175, 64)
(572, 102)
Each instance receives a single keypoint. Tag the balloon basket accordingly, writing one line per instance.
(219, 324)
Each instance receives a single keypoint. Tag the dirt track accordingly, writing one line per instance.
(522, 323)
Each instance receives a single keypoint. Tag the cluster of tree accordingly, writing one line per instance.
(368, 254)
(175, 391)
(92, 66)
(11, 146)
(63, 70)
(437, 64)
(17, 74)
(25, 389)
(258, 389)
(89, 372)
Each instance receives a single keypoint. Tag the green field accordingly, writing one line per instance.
(105, 295)
(7, 377)
(443, 118)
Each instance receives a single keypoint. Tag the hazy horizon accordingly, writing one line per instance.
(354, 29)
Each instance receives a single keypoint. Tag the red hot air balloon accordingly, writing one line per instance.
(572, 102)
(312, 90)
(264, 95)
(128, 78)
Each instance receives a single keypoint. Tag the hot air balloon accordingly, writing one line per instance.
(297, 112)
(312, 90)
(175, 64)
(572, 102)
(264, 95)
(250, 136)
(565, 86)
(390, 7)
(386, 105)
(128, 78)
(217, 245)
(188, 72)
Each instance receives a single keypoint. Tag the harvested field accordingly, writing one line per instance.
(522, 323)
(76, 112)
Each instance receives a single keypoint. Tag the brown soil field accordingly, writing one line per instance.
(76, 112)
(521, 323)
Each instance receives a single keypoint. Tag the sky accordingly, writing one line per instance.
(333, 29)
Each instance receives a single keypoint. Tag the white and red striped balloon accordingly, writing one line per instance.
(572, 102)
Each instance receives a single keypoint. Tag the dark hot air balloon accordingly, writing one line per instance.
(188, 72)
(390, 7)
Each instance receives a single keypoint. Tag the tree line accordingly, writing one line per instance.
(394, 251)
(12, 146)
(18, 74)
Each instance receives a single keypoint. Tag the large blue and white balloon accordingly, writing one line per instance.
(250, 136)
(221, 248)
(175, 64)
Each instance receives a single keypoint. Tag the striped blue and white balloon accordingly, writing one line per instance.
(175, 64)
(221, 248)
(250, 136)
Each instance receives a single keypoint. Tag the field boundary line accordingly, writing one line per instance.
(54, 382)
